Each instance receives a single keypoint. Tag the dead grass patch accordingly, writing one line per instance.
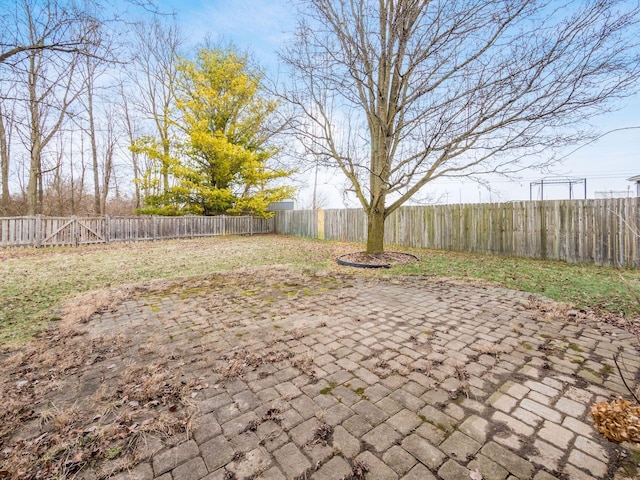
(358, 471)
(492, 349)
(322, 435)
(241, 360)
(46, 432)
(304, 363)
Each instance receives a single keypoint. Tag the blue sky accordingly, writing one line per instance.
(260, 26)
(264, 26)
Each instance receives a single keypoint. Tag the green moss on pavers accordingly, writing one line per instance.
(575, 347)
(440, 420)
(629, 466)
(590, 376)
(113, 452)
(606, 370)
(329, 389)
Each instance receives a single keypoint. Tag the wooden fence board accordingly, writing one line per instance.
(58, 231)
(602, 231)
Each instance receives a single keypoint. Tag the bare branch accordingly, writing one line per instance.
(427, 89)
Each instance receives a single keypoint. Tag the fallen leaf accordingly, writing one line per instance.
(619, 421)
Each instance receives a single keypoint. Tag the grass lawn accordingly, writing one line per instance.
(34, 282)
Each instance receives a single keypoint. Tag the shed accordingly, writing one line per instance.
(636, 180)
(279, 206)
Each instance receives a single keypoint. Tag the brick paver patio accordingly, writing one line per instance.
(325, 377)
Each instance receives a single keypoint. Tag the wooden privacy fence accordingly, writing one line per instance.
(39, 231)
(602, 232)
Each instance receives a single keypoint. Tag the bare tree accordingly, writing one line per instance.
(45, 42)
(98, 126)
(56, 28)
(110, 143)
(398, 93)
(132, 133)
(43, 46)
(51, 91)
(77, 183)
(6, 128)
(155, 77)
(90, 75)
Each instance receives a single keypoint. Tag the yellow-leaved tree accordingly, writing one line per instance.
(224, 165)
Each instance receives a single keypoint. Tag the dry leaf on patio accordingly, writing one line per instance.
(618, 420)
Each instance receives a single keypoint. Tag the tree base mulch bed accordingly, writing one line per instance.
(376, 260)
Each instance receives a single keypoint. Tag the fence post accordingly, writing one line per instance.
(74, 230)
(154, 223)
(320, 219)
(107, 227)
(38, 231)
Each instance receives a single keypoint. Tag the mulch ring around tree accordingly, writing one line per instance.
(376, 260)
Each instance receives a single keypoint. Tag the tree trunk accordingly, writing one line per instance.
(40, 209)
(4, 159)
(108, 170)
(58, 187)
(378, 180)
(94, 146)
(35, 148)
(375, 230)
(33, 204)
(71, 177)
(134, 156)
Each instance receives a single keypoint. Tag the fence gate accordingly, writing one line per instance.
(72, 231)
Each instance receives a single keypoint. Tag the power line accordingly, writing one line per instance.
(596, 139)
